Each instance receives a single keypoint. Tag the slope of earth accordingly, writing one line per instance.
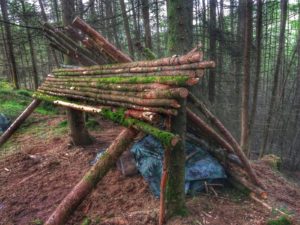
(42, 169)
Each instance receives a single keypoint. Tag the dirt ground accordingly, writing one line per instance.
(36, 178)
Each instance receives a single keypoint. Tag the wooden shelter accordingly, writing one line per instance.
(136, 95)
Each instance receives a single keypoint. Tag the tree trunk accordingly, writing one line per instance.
(175, 166)
(246, 81)
(158, 48)
(212, 46)
(127, 29)
(180, 29)
(146, 21)
(9, 40)
(78, 132)
(257, 62)
(179, 13)
(31, 48)
(273, 101)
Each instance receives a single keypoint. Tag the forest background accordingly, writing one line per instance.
(254, 89)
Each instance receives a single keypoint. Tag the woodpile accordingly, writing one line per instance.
(128, 91)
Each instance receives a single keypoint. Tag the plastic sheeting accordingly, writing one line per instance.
(4, 122)
(199, 168)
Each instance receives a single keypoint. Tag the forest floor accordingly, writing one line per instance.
(38, 168)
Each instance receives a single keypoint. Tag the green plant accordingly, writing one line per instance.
(37, 222)
(283, 220)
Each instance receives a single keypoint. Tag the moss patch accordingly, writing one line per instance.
(283, 220)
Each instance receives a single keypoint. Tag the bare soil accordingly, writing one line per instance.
(34, 180)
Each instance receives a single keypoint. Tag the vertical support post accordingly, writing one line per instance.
(175, 194)
(76, 119)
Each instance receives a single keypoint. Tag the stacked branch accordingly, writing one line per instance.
(61, 42)
(240, 170)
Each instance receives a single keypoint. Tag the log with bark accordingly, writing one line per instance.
(111, 50)
(117, 116)
(91, 178)
(230, 139)
(151, 94)
(180, 80)
(43, 95)
(17, 123)
(130, 68)
(177, 62)
(114, 87)
(152, 102)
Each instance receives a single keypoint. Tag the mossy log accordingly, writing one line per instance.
(113, 87)
(17, 123)
(229, 138)
(175, 166)
(91, 178)
(110, 49)
(97, 70)
(191, 73)
(168, 111)
(180, 80)
(117, 116)
(151, 94)
(118, 98)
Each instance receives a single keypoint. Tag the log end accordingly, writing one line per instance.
(192, 81)
(183, 92)
(175, 140)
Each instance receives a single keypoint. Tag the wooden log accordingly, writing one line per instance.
(120, 68)
(91, 178)
(44, 95)
(111, 50)
(208, 130)
(117, 98)
(16, 124)
(114, 87)
(180, 80)
(117, 116)
(230, 139)
(237, 175)
(57, 38)
(166, 63)
(152, 94)
(191, 73)
(163, 185)
(150, 117)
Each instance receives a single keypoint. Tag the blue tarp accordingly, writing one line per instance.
(4, 122)
(201, 167)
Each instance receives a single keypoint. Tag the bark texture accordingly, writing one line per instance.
(91, 178)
